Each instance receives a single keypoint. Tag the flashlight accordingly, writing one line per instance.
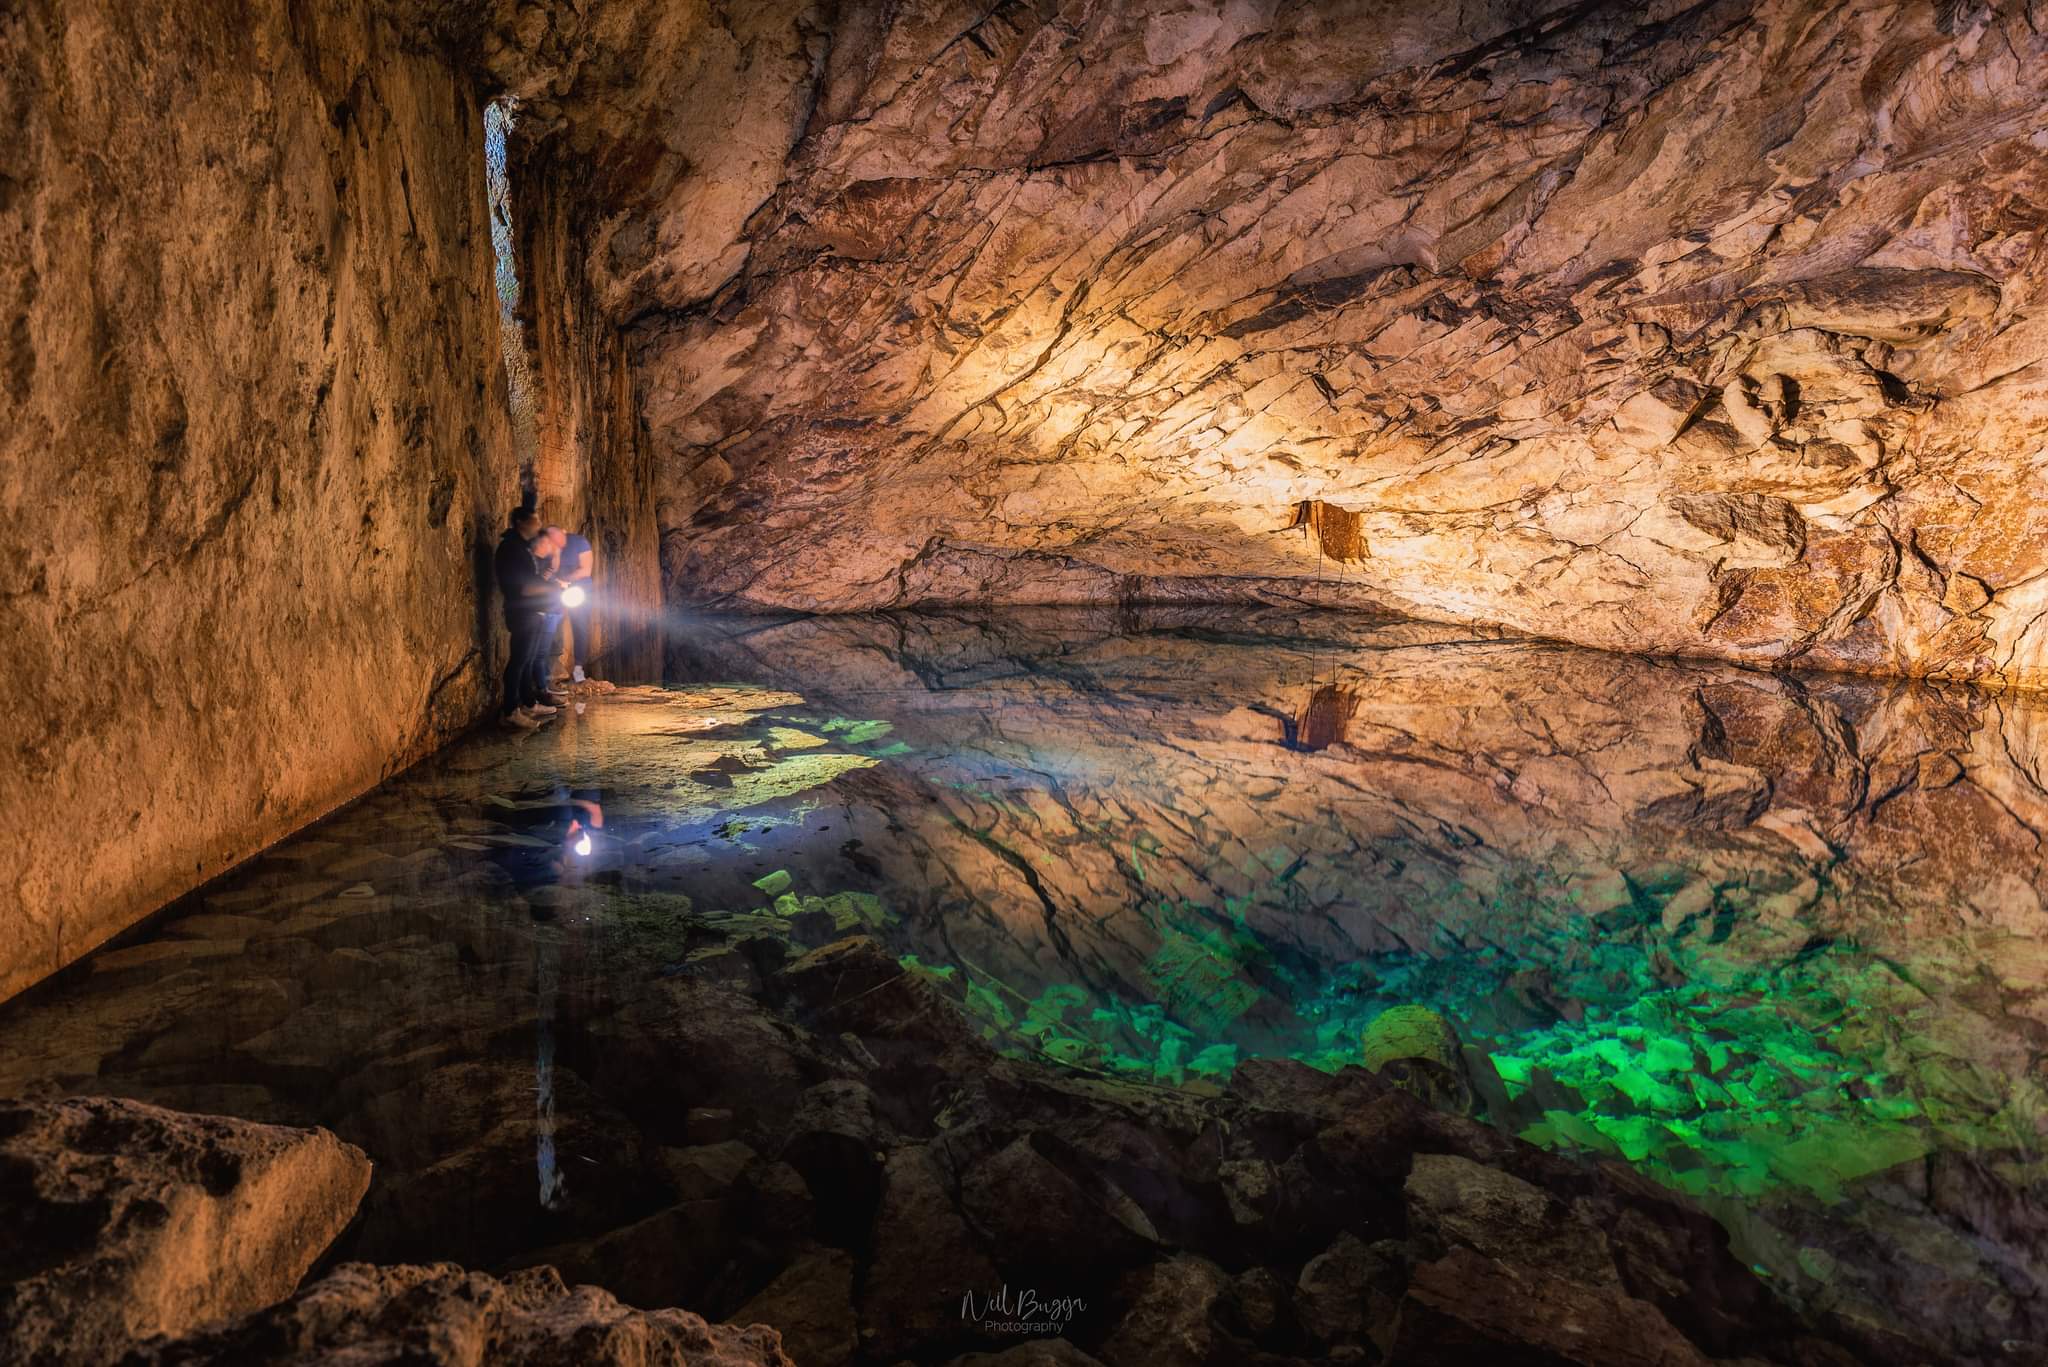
(572, 597)
(583, 843)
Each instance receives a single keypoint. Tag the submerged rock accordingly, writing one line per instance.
(1457, 1201)
(1468, 1308)
(445, 1316)
(1348, 1292)
(924, 1258)
(1171, 1320)
(811, 1304)
(120, 1220)
(1416, 1049)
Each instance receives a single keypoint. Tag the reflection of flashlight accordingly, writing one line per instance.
(572, 597)
(583, 843)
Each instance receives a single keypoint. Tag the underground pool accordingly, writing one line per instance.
(1766, 941)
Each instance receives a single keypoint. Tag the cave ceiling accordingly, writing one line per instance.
(1709, 328)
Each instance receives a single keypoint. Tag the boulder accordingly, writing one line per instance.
(1467, 1308)
(1417, 1050)
(670, 1257)
(838, 1141)
(1038, 1214)
(1257, 1302)
(441, 1315)
(120, 1220)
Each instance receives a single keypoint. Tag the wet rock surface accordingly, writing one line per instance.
(119, 1221)
(254, 435)
(256, 441)
(1681, 327)
(952, 959)
(449, 1317)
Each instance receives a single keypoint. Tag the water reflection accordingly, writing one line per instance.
(1776, 942)
(559, 834)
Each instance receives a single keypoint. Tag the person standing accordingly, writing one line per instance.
(525, 593)
(578, 566)
(547, 552)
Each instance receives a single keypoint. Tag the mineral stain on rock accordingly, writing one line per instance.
(1335, 530)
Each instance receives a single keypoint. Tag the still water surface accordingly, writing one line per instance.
(1775, 941)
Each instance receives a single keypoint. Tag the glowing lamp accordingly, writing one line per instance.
(572, 597)
(583, 843)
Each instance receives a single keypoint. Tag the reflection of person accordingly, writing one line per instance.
(569, 828)
(579, 836)
(578, 563)
(525, 593)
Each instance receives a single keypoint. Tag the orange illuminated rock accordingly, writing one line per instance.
(119, 1221)
(1708, 330)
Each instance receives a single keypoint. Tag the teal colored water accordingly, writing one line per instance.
(1775, 942)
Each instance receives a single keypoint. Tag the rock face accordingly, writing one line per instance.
(1702, 328)
(451, 1318)
(119, 1221)
(253, 437)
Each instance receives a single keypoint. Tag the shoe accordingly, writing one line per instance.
(540, 709)
(576, 674)
(518, 721)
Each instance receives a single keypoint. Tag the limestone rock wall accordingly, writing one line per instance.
(1711, 328)
(254, 449)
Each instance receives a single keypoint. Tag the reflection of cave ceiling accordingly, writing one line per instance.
(1768, 939)
(1699, 327)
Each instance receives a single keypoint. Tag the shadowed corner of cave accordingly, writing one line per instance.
(1128, 683)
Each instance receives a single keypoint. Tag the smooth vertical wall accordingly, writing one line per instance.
(253, 440)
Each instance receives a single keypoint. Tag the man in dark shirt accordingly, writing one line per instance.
(577, 566)
(526, 595)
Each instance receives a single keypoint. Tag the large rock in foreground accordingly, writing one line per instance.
(445, 1315)
(119, 1221)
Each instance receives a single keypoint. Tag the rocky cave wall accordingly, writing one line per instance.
(254, 448)
(1696, 327)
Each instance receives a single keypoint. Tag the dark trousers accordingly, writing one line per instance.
(579, 633)
(544, 653)
(526, 644)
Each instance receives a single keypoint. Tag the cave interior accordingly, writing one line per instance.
(1261, 682)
